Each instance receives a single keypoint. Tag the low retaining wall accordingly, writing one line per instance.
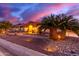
(18, 49)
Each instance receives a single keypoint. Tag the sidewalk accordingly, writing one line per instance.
(18, 49)
(4, 52)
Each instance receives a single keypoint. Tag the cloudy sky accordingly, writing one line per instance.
(20, 12)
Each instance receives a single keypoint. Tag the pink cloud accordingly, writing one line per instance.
(50, 10)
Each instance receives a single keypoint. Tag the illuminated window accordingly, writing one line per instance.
(35, 29)
(30, 29)
(25, 28)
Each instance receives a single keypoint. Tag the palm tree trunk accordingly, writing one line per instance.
(55, 35)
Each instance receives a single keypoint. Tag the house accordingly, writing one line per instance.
(31, 27)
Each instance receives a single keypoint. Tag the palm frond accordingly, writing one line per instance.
(61, 21)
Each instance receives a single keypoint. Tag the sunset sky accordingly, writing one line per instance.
(18, 12)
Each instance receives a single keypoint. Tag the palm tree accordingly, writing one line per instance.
(58, 24)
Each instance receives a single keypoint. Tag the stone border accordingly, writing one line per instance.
(19, 50)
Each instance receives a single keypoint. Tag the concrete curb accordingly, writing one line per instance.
(18, 49)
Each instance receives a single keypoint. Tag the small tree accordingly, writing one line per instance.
(4, 25)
